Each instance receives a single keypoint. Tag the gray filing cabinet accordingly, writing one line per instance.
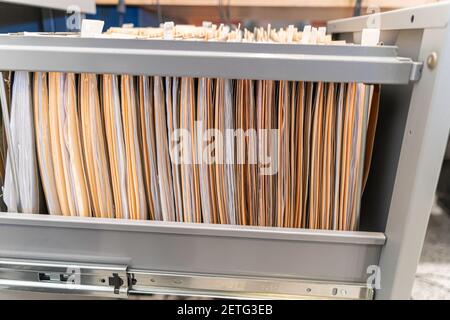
(118, 258)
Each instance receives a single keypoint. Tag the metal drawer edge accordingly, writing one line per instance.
(199, 229)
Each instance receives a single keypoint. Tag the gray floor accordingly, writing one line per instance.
(433, 272)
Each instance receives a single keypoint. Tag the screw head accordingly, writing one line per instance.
(432, 60)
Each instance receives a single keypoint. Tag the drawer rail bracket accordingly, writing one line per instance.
(118, 281)
(62, 277)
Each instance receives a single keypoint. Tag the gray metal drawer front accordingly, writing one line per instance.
(193, 248)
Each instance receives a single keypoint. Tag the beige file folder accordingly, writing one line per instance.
(210, 148)
(21, 188)
(220, 174)
(189, 171)
(196, 152)
(187, 117)
(162, 147)
(328, 159)
(74, 168)
(297, 129)
(56, 101)
(340, 105)
(173, 97)
(135, 179)
(283, 181)
(315, 207)
(267, 183)
(205, 108)
(148, 146)
(240, 167)
(71, 184)
(225, 177)
(251, 166)
(43, 142)
(116, 145)
(229, 152)
(94, 147)
(348, 118)
(371, 129)
(309, 100)
(246, 154)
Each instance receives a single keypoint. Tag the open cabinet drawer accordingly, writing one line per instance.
(216, 260)
(123, 258)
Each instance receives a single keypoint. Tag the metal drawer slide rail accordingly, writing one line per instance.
(116, 281)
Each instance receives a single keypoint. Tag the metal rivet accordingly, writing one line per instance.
(432, 60)
(344, 292)
(308, 290)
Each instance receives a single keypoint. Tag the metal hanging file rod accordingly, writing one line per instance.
(331, 63)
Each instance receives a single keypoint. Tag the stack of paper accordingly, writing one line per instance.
(21, 189)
